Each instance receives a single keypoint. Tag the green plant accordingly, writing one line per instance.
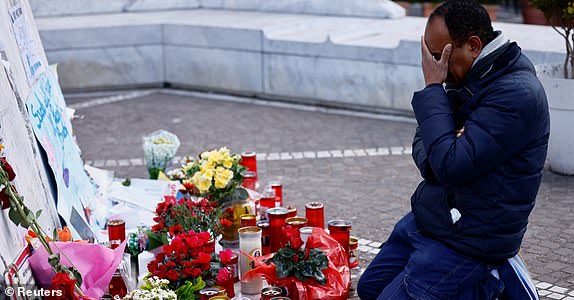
(560, 14)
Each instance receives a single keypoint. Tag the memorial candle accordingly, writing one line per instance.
(249, 160)
(315, 213)
(277, 216)
(250, 243)
(296, 222)
(278, 188)
(340, 230)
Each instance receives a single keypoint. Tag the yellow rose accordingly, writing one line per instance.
(228, 162)
(222, 177)
(201, 182)
(207, 170)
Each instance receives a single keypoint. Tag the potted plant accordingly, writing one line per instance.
(531, 14)
(559, 85)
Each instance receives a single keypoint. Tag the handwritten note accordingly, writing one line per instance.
(52, 127)
(26, 43)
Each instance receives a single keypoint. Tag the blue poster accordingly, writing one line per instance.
(53, 129)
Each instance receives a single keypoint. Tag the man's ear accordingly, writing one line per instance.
(475, 45)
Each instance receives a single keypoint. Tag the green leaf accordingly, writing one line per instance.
(55, 236)
(320, 277)
(30, 217)
(156, 240)
(54, 260)
(15, 216)
(38, 213)
(240, 194)
(77, 276)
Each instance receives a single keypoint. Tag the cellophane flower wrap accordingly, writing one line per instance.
(159, 148)
(337, 274)
(95, 262)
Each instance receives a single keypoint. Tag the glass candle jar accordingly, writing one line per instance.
(250, 180)
(116, 232)
(315, 213)
(249, 160)
(296, 222)
(353, 252)
(250, 243)
(264, 225)
(292, 211)
(277, 216)
(305, 233)
(247, 220)
(266, 202)
(340, 230)
(278, 188)
(270, 292)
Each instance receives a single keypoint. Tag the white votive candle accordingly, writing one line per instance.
(250, 243)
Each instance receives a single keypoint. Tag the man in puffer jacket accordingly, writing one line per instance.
(480, 145)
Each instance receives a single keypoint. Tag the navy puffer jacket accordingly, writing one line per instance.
(491, 174)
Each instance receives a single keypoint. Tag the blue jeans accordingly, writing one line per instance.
(413, 266)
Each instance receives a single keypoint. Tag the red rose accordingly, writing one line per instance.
(172, 275)
(175, 229)
(62, 281)
(157, 227)
(204, 236)
(224, 276)
(5, 200)
(7, 168)
(225, 222)
(204, 258)
(225, 256)
(195, 272)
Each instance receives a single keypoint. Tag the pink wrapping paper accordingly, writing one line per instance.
(95, 262)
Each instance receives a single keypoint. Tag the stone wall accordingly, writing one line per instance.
(16, 135)
(349, 8)
(364, 63)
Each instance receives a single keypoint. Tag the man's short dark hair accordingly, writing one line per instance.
(465, 18)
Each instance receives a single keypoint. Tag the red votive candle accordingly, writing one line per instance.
(249, 160)
(266, 202)
(277, 216)
(116, 232)
(249, 180)
(315, 212)
(247, 220)
(340, 230)
(296, 222)
(278, 188)
(264, 225)
(292, 211)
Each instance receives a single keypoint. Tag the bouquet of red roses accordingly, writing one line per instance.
(184, 262)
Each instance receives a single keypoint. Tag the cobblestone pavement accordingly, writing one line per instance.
(359, 167)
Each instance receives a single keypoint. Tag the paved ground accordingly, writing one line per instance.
(359, 167)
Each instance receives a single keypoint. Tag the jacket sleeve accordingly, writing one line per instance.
(420, 157)
(494, 131)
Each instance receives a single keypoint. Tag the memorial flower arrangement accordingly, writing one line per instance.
(185, 261)
(303, 264)
(318, 271)
(159, 149)
(153, 288)
(21, 215)
(217, 176)
(185, 214)
(188, 265)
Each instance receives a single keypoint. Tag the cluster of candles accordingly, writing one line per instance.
(264, 236)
